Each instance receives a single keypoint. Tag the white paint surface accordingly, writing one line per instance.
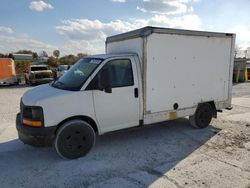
(186, 70)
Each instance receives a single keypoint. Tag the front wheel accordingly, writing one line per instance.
(202, 117)
(74, 139)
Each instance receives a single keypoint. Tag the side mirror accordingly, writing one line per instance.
(104, 81)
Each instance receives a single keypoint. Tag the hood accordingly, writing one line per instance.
(43, 92)
(41, 71)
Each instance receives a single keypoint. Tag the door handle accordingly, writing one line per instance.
(136, 93)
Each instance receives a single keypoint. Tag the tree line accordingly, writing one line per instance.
(53, 61)
(71, 59)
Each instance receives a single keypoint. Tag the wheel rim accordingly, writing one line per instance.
(75, 141)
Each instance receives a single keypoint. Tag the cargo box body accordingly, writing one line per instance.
(180, 68)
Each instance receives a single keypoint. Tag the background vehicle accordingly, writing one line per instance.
(37, 74)
(248, 71)
(61, 70)
(8, 72)
(148, 75)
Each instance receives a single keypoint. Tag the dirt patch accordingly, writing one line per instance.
(229, 140)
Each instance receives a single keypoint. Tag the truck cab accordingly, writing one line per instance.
(104, 91)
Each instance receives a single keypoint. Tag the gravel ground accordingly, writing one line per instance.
(171, 154)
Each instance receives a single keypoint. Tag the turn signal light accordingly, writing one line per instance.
(32, 123)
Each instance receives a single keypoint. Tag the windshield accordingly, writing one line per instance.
(63, 67)
(77, 75)
(38, 68)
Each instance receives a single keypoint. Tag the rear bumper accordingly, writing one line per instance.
(9, 80)
(40, 137)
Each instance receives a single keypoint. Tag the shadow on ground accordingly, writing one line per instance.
(13, 86)
(18, 86)
(115, 155)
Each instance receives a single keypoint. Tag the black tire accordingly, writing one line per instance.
(26, 81)
(30, 83)
(74, 139)
(202, 117)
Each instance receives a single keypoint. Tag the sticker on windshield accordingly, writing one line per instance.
(95, 61)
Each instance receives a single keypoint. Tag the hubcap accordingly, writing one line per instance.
(75, 140)
(204, 116)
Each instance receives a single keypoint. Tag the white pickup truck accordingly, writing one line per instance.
(147, 76)
(38, 74)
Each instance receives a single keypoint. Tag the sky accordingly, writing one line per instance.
(81, 26)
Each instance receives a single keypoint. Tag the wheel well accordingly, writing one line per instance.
(84, 118)
(212, 104)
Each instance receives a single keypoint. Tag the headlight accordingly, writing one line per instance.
(32, 116)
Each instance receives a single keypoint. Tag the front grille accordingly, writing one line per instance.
(40, 76)
(21, 108)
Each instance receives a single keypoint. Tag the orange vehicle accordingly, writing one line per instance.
(7, 72)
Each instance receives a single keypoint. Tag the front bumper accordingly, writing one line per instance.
(35, 136)
(41, 80)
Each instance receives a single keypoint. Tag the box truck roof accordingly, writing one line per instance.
(106, 56)
(145, 31)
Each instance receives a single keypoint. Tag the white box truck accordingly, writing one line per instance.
(147, 76)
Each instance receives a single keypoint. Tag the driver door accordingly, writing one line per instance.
(119, 109)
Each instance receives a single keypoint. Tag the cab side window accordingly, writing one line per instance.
(120, 71)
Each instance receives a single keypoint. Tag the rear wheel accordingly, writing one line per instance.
(202, 117)
(16, 83)
(26, 81)
(29, 82)
(74, 139)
